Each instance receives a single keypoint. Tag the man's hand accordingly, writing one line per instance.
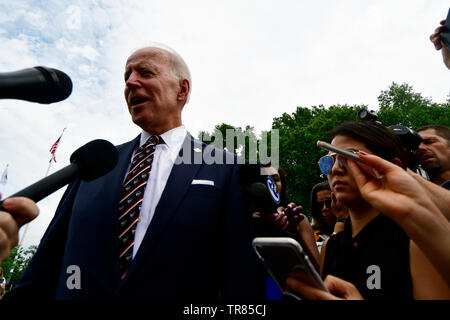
(436, 40)
(339, 289)
(25, 210)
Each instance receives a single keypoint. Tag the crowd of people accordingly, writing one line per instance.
(156, 228)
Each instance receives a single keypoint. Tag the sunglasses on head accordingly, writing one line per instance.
(327, 203)
(326, 163)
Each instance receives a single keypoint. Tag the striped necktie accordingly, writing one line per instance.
(131, 196)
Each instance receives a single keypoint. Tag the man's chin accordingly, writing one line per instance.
(430, 165)
(140, 121)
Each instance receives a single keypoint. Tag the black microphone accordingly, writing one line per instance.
(261, 189)
(38, 84)
(89, 162)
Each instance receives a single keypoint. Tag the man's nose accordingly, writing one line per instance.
(337, 165)
(133, 80)
(421, 148)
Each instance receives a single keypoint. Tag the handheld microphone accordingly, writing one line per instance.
(261, 189)
(89, 162)
(38, 84)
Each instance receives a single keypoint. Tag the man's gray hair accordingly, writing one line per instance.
(179, 68)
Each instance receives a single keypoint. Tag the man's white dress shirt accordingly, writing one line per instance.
(163, 160)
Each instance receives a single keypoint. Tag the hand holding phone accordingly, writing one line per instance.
(282, 256)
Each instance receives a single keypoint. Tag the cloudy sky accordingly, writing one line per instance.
(250, 62)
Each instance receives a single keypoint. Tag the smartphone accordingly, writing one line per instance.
(284, 255)
(342, 152)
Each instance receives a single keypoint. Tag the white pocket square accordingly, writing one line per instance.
(203, 182)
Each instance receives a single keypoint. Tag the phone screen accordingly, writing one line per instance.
(281, 256)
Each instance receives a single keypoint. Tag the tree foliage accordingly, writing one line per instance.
(14, 266)
(401, 105)
(242, 139)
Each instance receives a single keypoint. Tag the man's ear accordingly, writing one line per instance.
(185, 88)
(398, 162)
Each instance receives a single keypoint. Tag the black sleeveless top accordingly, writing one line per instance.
(376, 260)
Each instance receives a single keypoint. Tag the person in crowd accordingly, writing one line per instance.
(433, 153)
(326, 212)
(274, 224)
(23, 211)
(406, 200)
(439, 45)
(374, 257)
(321, 213)
(164, 224)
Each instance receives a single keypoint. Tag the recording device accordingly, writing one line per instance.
(89, 162)
(410, 140)
(261, 188)
(367, 115)
(38, 84)
(281, 256)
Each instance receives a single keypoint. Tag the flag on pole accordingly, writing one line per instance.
(55, 146)
(4, 176)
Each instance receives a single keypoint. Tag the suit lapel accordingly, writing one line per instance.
(178, 184)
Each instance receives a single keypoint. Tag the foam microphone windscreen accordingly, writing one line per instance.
(95, 159)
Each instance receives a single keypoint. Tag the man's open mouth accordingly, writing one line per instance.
(138, 100)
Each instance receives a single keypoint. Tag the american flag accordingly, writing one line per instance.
(4, 178)
(54, 147)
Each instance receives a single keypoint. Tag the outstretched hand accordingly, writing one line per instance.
(390, 189)
(435, 38)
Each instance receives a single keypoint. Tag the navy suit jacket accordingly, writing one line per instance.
(197, 247)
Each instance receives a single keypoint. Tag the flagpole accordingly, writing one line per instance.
(46, 174)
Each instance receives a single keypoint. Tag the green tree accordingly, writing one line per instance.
(14, 266)
(244, 141)
(401, 105)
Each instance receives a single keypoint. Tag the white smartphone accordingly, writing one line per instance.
(284, 255)
(345, 153)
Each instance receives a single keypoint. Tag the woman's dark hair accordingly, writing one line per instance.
(382, 141)
(315, 208)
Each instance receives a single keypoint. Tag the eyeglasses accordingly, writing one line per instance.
(326, 163)
(327, 203)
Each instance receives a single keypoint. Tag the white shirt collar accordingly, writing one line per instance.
(173, 138)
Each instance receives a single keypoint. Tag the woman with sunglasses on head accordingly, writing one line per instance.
(373, 256)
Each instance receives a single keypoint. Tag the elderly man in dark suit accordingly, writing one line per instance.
(164, 224)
